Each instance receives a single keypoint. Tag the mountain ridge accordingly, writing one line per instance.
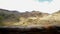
(34, 18)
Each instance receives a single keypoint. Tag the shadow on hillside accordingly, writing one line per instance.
(50, 30)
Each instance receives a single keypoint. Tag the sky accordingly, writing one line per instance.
(47, 6)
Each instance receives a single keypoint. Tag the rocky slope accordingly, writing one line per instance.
(45, 21)
(10, 18)
(29, 19)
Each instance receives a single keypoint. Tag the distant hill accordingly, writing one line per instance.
(33, 14)
(10, 17)
(52, 19)
(45, 21)
(29, 19)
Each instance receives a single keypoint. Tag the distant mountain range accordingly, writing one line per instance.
(15, 18)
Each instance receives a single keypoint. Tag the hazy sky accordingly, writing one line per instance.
(48, 6)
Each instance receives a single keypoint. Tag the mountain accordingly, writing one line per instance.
(52, 19)
(29, 19)
(33, 14)
(45, 21)
(8, 17)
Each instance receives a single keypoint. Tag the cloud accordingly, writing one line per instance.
(29, 5)
(49, 7)
(44, 0)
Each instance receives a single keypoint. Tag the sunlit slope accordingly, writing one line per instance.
(29, 19)
(50, 20)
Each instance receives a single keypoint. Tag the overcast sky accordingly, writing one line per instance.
(48, 6)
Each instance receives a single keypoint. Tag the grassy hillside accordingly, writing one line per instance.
(45, 21)
(28, 19)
